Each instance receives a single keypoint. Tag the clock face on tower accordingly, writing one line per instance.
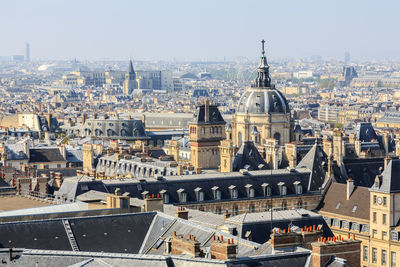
(379, 201)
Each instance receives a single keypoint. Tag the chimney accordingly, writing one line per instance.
(182, 213)
(179, 170)
(189, 246)
(349, 188)
(286, 238)
(144, 120)
(198, 170)
(58, 179)
(348, 249)
(387, 160)
(84, 118)
(206, 110)
(27, 148)
(153, 202)
(93, 173)
(221, 249)
(118, 200)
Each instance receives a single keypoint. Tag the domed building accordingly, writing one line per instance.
(262, 111)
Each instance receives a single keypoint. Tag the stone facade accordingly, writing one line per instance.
(205, 134)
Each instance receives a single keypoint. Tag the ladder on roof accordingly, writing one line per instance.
(70, 235)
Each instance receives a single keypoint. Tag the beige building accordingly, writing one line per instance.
(205, 134)
(370, 214)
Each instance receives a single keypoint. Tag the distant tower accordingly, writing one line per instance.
(205, 134)
(27, 52)
(130, 80)
(346, 57)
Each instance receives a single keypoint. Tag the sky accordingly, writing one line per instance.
(200, 30)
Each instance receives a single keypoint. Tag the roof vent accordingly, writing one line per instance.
(244, 171)
(291, 169)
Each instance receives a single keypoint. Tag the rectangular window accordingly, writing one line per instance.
(393, 259)
(365, 253)
(384, 255)
(299, 189)
(251, 192)
(384, 218)
(268, 193)
(374, 233)
(183, 197)
(234, 193)
(166, 198)
(374, 255)
(374, 217)
(201, 196)
(218, 195)
(374, 199)
(384, 201)
(384, 234)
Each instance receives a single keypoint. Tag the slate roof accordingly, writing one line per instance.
(248, 158)
(362, 171)
(390, 182)
(259, 224)
(337, 193)
(365, 132)
(45, 155)
(214, 116)
(72, 187)
(315, 160)
(135, 233)
(33, 257)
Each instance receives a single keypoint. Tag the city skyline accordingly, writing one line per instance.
(98, 31)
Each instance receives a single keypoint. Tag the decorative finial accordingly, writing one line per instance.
(262, 44)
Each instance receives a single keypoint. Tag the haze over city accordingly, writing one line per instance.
(200, 133)
(200, 30)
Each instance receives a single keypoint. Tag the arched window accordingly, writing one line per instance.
(110, 132)
(98, 132)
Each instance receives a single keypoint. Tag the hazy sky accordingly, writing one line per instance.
(200, 30)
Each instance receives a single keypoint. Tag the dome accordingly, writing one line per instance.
(262, 101)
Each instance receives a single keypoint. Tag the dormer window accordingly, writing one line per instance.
(249, 190)
(165, 196)
(199, 194)
(282, 189)
(266, 189)
(234, 191)
(298, 187)
(217, 193)
(182, 195)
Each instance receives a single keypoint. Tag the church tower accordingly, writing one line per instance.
(205, 135)
(262, 111)
(130, 80)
